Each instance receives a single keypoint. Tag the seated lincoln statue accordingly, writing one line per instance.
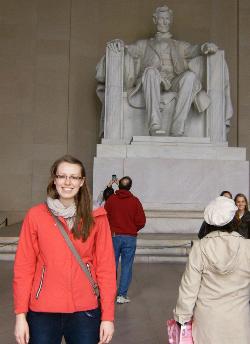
(159, 69)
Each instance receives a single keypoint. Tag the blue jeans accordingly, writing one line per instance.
(77, 328)
(124, 246)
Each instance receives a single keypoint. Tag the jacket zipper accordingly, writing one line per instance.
(88, 267)
(95, 286)
(41, 283)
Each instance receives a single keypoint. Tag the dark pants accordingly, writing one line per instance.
(77, 328)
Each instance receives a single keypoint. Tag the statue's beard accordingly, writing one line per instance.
(162, 29)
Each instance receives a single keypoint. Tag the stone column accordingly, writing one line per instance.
(113, 123)
(216, 128)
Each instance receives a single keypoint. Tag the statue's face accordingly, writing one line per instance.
(162, 22)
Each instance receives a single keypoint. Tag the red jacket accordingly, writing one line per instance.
(125, 213)
(47, 277)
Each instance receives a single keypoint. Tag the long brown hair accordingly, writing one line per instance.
(84, 219)
(246, 206)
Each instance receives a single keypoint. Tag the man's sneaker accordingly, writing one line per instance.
(122, 299)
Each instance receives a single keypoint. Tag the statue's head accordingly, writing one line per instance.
(163, 18)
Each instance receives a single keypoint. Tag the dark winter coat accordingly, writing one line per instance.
(243, 225)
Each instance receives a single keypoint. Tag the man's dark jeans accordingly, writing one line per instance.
(124, 246)
(77, 328)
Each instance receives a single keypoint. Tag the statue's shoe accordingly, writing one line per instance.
(154, 128)
(157, 132)
(176, 134)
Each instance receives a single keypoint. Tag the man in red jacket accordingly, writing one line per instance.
(126, 217)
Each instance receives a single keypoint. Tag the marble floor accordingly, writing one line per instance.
(153, 294)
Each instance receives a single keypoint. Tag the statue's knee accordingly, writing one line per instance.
(151, 75)
(189, 76)
(151, 71)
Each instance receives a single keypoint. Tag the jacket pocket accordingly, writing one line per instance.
(41, 283)
(92, 314)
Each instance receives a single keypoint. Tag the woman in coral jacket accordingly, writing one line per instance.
(52, 295)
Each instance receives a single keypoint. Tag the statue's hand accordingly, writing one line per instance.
(209, 48)
(115, 45)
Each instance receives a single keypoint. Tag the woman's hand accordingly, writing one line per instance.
(22, 329)
(106, 332)
(110, 183)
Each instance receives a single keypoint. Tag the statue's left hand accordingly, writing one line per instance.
(209, 48)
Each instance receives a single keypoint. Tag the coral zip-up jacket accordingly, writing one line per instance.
(47, 277)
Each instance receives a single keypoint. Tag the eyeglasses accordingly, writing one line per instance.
(73, 179)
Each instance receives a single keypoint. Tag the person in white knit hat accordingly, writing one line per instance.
(204, 230)
(220, 211)
(215, 288)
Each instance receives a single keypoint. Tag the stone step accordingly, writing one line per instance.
(165, 148)
(7, 257)
(8, 247)
(165, 239)
(167, 251)
(157, 259)
(11, 230)
(8, 241)
(155, 248)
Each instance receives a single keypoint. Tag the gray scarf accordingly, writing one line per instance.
(58, 209)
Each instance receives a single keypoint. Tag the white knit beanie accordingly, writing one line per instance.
(220, 211)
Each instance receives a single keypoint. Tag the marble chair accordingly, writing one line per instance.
(121, 121)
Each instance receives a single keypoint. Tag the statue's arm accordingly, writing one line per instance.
(190, 51)
(133, 54)
(115, 46)
(132, 59)
(137, 49)
(101, 70)
(208, 48)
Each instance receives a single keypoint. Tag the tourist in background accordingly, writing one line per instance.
(53, 297)
(214, 290)
(126, 217)
(204, 230)
(242, 216)
(226, 194)
(107, 192)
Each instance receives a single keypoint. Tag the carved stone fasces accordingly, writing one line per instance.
(113, 124)
(216, 128)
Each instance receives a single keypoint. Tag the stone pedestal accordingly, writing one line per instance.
(174, 178)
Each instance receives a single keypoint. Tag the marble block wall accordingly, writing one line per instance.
(47, 86)
(173, 189)
(33, 97)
